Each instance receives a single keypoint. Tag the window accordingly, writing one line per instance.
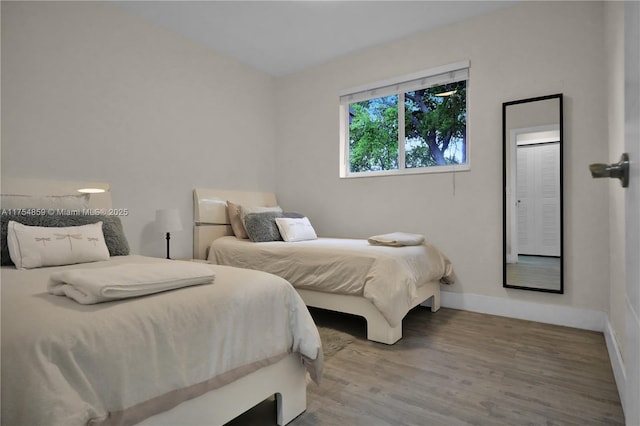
(412, 124)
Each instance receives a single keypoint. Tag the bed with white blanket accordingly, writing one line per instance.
(380, 280)
(78, 348)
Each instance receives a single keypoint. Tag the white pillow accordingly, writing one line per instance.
(295, 229)
(36, 246)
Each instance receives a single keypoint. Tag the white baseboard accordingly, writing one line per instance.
(631, 394)
(551, 314)
(616, 362)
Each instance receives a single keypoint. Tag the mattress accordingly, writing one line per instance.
(387, 276)
(64, 363)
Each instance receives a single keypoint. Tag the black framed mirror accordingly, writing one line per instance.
(533, 243)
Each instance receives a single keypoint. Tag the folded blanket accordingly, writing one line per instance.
(96, 285)
(396, 239)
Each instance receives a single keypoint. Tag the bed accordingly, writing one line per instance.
(379, 283)
(197, 355)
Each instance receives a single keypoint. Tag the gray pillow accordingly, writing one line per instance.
(292, 215)
(111, 228)
(261, 227)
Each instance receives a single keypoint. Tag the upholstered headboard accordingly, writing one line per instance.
(47, 187)
(210, 216)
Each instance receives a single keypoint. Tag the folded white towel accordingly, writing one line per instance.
(95, 285)
(396, 239)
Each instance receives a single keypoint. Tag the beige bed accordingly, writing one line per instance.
(380, 284)
(190, 356)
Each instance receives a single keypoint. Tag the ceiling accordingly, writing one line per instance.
(282, 37)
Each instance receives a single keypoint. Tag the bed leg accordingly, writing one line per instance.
(379, 330)
(292, 400)
(435, 302)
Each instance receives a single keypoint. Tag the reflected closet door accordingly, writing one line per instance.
(538, 200)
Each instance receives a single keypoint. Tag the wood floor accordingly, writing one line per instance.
(458, 368)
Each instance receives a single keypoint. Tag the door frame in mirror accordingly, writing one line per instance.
(506, 145)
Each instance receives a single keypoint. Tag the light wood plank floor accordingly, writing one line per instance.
(458, 368)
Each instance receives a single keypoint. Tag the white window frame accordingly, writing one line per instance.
(399, 86)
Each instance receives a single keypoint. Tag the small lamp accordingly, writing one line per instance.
(168, 220)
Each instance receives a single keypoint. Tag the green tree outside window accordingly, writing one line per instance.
(434, 129)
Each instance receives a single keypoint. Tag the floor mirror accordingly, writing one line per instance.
(533, 199)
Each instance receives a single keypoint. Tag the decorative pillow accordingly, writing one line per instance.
(36, 246)
(111, 227)
(292, 229)
(245, 210)
(47, 202)
(237, 214)
(236, 220)
(261, 227)
(293, 215)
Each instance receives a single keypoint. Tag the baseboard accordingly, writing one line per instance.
(551, 314)
(632, 363)
(616, 362)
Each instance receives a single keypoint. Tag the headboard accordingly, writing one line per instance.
(210, 217)
(43, 187)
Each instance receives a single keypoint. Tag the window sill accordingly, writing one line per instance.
(410, 171)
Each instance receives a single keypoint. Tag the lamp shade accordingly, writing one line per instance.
(168, 220)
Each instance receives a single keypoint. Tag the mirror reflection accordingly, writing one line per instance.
(532, 175)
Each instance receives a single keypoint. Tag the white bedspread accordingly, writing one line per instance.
(66, 364)
(387, 276)
(96, 285)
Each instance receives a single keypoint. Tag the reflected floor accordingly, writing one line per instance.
(535, 271)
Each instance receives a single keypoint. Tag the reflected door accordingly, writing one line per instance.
(538, 195)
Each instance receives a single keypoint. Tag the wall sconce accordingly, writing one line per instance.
(168, 220)
(91, 190)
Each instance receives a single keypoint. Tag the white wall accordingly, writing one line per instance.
(531, 49)
(91, 92)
